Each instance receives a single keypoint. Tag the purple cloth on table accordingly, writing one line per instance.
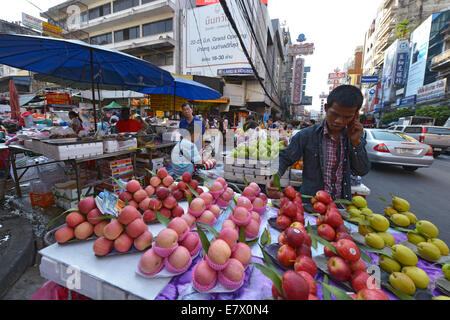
(257, 286)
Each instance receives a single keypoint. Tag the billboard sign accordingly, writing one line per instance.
(432, 91)
(300, 49)
(401, 62)
(51, 30)
(418, 57)
(297, 94)
(31, 22)
(407, 101)
(235, 71)
(208, 2)
(212, 45)
(307, 101)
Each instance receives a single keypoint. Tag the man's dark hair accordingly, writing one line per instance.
(346, 96)
(125, 114)
(250, 117)
(186, 104)
(312, 121)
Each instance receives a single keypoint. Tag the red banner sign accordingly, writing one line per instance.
(207, 2)
(58, 98)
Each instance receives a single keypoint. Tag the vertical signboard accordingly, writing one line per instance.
(299, 66)
(388, 71)
(418, 57)
(31, 22)
(401, 62)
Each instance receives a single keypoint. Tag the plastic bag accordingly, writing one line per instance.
(53, 291)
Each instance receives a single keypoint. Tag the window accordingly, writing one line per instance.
(157, 27)
(445, 131)
(102, 39)
(100, 11)
(160, 59)
(390, 136)
(84, 16)
(120, 5)
(413, 130)
(147, 1)
(126, 34)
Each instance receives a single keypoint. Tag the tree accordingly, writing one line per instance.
(439, 113)
(403, 29)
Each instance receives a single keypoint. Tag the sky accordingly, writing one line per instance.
(335, 27)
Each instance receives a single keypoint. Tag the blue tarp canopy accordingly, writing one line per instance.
(185, 88)
(71, 60)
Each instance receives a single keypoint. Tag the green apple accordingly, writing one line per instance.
(235, 153)
(446, 270)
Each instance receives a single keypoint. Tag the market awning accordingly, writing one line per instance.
(185, 88)
(222, 100)
(113, 105)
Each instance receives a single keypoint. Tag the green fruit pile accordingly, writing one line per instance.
(404, 275)
(260, 149)
(399, 212)
(428, 245)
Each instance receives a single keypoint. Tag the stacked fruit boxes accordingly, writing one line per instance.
(121, 168)
(259, 171)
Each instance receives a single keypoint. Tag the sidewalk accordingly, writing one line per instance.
(22, 229)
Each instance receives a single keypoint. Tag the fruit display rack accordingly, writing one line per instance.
(252, 170)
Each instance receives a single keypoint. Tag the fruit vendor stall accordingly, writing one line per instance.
(172, 240)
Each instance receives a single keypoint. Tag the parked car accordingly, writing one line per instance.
(435, 136)
(397, 148)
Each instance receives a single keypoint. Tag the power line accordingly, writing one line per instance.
(257, 43)
(233, 24)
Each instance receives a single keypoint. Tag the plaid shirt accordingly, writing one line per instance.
(334, 159)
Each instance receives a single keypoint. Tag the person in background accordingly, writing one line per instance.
(190, 118)
(125, 124)
(112, 125)
(312, 122)
(332, 150)
(75, 122)
(145, 125)
(250, 123)
(185, 154)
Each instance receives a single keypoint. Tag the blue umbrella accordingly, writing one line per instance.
(81, 62)
(185, 88)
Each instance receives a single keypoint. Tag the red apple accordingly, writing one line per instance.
(371, 294)
(305, 263)
(294, 237)
(290, 192)
(304, 250)
(299, 217)
(310, 280)
(283, 221)
(348, 250)
(357, 265)
(360, 280)
(339, 269)
(186, 177)
(328, 252)
(319, 221)
(319, 207)
(334, 218)
(326, 232)
(286, 255)
(282, 238)
(289, 209)
(276, 294)
(294, 286)
(343, 235)
(323, 197)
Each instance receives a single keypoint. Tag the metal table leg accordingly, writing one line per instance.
(12, 156)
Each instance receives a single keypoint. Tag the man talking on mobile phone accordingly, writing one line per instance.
(331, 149)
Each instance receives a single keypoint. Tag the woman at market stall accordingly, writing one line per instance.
(75, 122)
(332, 150)
(125, 124)
(185, 154)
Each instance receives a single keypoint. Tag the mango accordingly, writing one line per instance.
(415, 238)
(366, 211)
(400, 220)
(441, 298)
(359, 202)
(379, 222)
(427, 229)
(389, 265)
(441, 245)
(402, 282)
(389, 211)
(389, 240)
(404, 255)
(399, 204)
(355, 213)
(364, 230)
(374, 240)
(446, 271)
(429, 251)
(418, 276)
(349, 207)
(411, 216)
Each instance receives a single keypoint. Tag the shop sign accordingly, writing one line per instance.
(300, 49)
(432, 91)
(337, 75)
(51, 30)
(58, 98)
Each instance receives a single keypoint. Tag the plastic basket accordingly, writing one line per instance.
(42, 200)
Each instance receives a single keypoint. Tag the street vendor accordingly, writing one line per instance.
(125, 124)
(331, 149)
(75, 122)
(190, 118)
(185, 154)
